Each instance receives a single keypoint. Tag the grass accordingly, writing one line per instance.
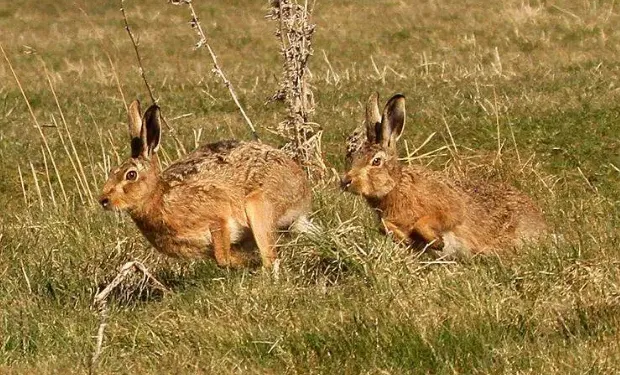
(350, 301)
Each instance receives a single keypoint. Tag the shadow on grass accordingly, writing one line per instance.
(175, 276)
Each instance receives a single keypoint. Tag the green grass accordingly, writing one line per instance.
(350, 301)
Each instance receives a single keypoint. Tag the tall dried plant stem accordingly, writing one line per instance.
(101, 303)
(202, 42)
(295, 33)
(171, 129)
(103, 323)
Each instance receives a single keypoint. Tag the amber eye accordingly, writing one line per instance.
(376, 162)
(131, 175)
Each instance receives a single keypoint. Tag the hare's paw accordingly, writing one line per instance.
(396, 232)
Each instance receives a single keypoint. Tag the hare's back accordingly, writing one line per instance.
(509, 211)
(278, 178)
(497, 196)
(202, 163)
(249, 165)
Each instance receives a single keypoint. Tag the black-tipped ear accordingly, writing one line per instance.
(393, 121)
(151, 123)
(134, 120)
(373, 118)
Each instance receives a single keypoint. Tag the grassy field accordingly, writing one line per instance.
(529, 90)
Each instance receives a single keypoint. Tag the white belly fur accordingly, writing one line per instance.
(289, 217)
(237, 232)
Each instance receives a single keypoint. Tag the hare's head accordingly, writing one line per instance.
(132, 184)
(373, 169)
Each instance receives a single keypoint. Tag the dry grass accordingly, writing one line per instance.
(525, 92)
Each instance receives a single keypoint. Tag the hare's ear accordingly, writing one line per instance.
(138, 140)
(151, 126)
(373, 118)
(393, 121)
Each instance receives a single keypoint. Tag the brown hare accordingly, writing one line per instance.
(217, 196)
(424, 208)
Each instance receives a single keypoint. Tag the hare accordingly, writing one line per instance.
(219, 195)
(424, 208)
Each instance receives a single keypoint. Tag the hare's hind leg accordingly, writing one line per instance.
(261, 219)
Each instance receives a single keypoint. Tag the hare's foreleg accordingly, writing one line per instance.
(424, 230)
(396, 232)
(220, 237)
(262, 222)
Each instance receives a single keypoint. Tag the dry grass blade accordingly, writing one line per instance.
(80, 167)
(79, 182)
(117, 80)
(587, 180)
(514, 142)
(47, 177)
(23, 186)
(60, 182)
(36, 184)
(26, 278)
(497, 125)
(454, 149)
(427, 154)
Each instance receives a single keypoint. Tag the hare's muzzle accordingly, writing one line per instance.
(345, 182)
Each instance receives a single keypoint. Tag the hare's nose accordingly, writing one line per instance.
(345, 181)
(105, 202)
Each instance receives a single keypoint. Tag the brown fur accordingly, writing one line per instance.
(419, 206)
(220, 195)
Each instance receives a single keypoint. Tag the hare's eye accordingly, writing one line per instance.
(376, 162)
(131, 175)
